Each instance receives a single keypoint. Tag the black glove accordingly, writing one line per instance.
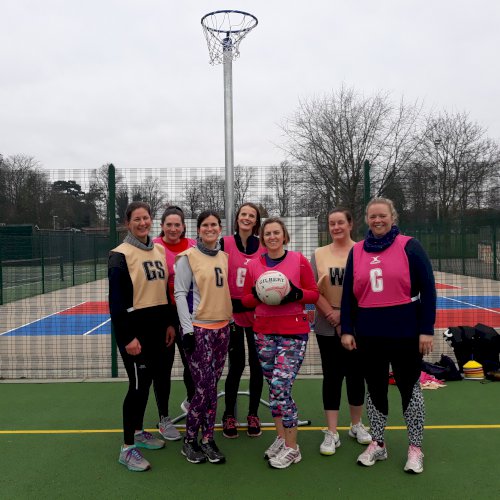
(254, 293)
(188, 342)
(293, 295)
(238, 306)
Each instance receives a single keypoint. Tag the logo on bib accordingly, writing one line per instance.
(375, 260)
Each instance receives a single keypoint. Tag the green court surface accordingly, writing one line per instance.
(62, 441)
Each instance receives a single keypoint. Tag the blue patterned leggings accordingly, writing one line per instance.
(281, 357)
(206, 363)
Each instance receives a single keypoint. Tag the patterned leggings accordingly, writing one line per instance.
(281, 357)
(405, 359)
(206, 363)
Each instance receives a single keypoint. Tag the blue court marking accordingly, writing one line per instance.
(468, 301)
(65, 324)
(99, 324)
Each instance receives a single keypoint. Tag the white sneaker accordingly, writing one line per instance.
(372, 453)
(275, 448)
(415, 462)
(285, 458)
(360, 432)
(330, 442)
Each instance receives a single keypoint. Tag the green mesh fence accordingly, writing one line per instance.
(54, 319)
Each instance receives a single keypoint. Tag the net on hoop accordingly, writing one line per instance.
(224, 30)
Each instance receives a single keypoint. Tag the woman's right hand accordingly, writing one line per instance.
(348, 341)
(133, 348)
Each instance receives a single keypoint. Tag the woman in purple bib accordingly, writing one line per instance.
(388, 312)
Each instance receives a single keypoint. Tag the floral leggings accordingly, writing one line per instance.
(206, 363)
(281, 357)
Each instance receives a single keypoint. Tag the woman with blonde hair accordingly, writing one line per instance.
(387, 313)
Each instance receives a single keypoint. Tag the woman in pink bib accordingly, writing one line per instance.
(242, 247)
(388, 313)
(281, 333)
(173, 239)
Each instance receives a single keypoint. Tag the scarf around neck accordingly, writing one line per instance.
(207, 251)
(132, 240)
(373, 244)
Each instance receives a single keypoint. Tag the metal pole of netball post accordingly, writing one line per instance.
(228, 132)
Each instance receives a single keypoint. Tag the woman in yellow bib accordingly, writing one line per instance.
(203, 301)
(328, 264)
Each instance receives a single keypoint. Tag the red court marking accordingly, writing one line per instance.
(442, 286)
(463, 317)
(89, 308)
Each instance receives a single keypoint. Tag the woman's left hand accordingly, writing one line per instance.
(425, 344)
(170, 337)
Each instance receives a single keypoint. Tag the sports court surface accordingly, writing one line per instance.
(62, 441)
(457, 305)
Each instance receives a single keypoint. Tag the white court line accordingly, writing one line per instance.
(98, 326)
(472, 305)
(44, 317)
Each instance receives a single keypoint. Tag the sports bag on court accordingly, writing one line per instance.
(480, 343)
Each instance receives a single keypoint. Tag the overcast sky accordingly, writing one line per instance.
(87, 82)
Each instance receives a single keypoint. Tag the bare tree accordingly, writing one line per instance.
(242, 180)
(212, 191)
(192, 197)
(463, 159)
(330, 138)
(98, 194)
(149, 190)
(280, 179)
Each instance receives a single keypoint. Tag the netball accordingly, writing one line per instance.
(271, 287)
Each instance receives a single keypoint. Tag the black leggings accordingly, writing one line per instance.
(142, 370)
(404, 357)
(236, 355)
(188, 381)
(338, 363)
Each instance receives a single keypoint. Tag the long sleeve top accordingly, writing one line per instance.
(407, 320)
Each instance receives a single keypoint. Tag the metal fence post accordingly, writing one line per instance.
(495, 253)
(112, 244)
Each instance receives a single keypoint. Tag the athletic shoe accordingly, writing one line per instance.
(415, 462)
(192, 451)
(253, 429)
(360, 432)
(229, 427)
(145, 439)
(185, 406)
(330, 443)
(372, 453)
(132, 458)
(275, 448)
(168, 430)
(212, 452)
(285, 458)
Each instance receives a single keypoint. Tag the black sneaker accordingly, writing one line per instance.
(192, 452)
(212, 453)
(229, 426)
(253, 429)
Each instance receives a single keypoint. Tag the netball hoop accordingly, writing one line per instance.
(224, 30)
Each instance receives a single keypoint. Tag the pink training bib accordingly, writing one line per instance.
(382, 279)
